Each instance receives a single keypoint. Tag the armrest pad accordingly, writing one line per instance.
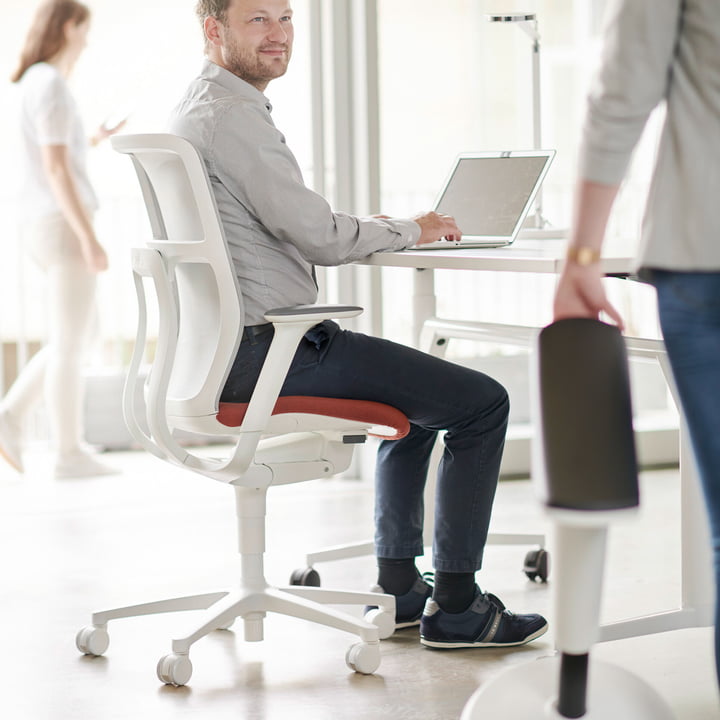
(311, 312)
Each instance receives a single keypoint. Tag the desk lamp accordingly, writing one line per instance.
(528, 23)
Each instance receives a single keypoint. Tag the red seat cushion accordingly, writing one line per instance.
(365, 411)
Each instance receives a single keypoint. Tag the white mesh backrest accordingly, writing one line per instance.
(187, 232)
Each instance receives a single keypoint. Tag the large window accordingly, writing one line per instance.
(451, 82)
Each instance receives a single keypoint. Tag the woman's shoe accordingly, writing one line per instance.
(79, 464)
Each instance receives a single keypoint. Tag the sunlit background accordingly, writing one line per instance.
(449, 82)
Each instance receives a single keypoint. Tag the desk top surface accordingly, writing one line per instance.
(537, 256)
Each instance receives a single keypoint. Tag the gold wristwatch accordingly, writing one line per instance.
(582, 255)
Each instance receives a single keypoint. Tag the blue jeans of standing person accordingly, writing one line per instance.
(689, 310)
(435, 395)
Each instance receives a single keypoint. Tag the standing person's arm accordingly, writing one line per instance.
(580, 291)
(57, 168)
(634, 77)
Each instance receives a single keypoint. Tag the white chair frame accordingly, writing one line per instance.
(200, 325)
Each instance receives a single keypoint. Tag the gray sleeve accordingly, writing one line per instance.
(251, 159)
(635, 73)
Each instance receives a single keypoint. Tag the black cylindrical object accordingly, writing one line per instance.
(589, 447)
(572, 698)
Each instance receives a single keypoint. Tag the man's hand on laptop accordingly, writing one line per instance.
(436, 226)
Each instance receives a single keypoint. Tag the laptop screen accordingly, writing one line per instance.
(489, 194)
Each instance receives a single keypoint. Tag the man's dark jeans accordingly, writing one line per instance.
(435, 395)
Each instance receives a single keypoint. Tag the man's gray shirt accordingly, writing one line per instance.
(275, 226)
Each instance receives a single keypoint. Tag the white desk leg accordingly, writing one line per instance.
(697, 588)
(424, 308)
(697, 574)
(424, 303)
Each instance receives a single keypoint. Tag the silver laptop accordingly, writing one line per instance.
(490, 194)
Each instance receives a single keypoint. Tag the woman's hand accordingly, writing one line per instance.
(580, 293)
(94, 255)
(104, 132)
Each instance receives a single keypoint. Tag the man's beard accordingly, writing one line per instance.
(251, 67)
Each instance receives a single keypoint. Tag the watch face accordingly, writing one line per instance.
(583, 255)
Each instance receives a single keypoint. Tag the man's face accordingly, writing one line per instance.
(256, 42)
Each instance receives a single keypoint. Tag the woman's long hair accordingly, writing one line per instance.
(46, 36)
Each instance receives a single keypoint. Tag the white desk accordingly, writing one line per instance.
(537, 256)
(524, 256)
(546, 256)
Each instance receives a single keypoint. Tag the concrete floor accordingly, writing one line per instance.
(71, 547)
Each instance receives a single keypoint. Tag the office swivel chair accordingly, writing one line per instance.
(276, 440)
(588, 479)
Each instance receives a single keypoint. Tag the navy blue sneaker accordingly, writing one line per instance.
(409, 607)
(486, 623)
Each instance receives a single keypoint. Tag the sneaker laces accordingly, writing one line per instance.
(495, 602)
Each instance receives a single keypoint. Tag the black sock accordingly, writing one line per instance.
(454, 592)
(396, 576)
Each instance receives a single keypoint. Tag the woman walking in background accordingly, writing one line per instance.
(57, 203)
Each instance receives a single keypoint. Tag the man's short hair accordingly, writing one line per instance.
(211, 8)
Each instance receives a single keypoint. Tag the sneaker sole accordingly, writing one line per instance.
(453, 645)
(399, 625)
(403, 625)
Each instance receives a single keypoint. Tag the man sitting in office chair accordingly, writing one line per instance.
(277, 230)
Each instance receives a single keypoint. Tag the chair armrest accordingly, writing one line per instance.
(291, 323)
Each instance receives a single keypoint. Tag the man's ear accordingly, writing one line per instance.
(212, 31)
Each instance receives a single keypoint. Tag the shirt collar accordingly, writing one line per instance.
(233, 83)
